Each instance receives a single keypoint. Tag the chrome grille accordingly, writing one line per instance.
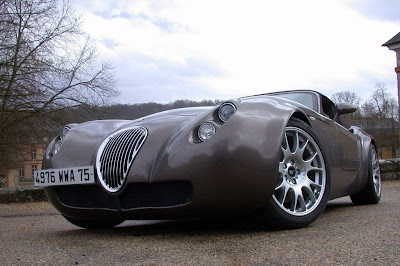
(116, 154)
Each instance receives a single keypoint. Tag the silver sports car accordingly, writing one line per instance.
(279, 155)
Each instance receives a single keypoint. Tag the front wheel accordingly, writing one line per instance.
(303, 184)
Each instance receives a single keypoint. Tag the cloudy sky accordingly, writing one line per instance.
(165, 50)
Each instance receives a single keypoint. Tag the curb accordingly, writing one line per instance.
(22, 194)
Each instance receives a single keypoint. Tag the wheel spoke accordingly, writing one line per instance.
(285, 146)
(280, 184)
(375, 163)
(303, 148)
(376, 180)
(281, 167)
(312, 185)
(312, 168)
(301, 201)
(285, 142)
(308, 164)
(312, 157)
(308, 168)
(295, 143)
(376, 172)
(294, 201)
(285, 195)
(311, 194)
(374, 160)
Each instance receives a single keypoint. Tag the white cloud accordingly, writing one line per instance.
(237, 48)
(387, 10)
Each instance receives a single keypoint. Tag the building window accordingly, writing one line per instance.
(21, 171)
(33, 154)
(34, 168)
(3, 181)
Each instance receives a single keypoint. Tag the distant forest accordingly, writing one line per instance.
(131, 111)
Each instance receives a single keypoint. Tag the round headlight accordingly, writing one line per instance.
(225, 111)
(64, 132)
(206, 131)
(56, 147)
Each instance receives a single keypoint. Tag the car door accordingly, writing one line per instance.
(351, 149)
(349, 143)
(348, 152)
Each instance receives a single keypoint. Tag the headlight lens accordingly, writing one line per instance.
(58, 142)
(64, 132)
(206, 131)
(56, 147)
(225, 111)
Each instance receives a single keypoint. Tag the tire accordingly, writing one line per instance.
(93, 224)
(371, 194)
(303, 185)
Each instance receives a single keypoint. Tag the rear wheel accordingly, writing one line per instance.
(303, 184)
(371, 194)
(93, 224)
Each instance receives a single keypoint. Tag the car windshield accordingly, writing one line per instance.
(304, 98)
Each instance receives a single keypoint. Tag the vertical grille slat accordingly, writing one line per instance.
(107, 160)
(116, 154)
(124, 145)
(122, 163)
(116, 158)
(116, 149)
(133, 148)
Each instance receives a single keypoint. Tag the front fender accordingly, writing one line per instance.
(238, 166)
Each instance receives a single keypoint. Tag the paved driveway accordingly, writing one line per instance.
(36, 233)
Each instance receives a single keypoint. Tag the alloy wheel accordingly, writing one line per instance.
(376, 173)
(302, 173)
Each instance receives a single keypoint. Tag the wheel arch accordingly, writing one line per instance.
(366, 142)
(301, 116)
(374, 143)
(276, 215)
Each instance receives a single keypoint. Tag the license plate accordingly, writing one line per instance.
(64, 176)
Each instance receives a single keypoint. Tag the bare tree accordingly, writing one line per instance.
(380, 113)
(346, 97)
(47, 66)
(383, 102)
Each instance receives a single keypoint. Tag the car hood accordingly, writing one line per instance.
(188, 111)
(83, 140)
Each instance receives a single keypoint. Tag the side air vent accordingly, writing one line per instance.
(116, 154)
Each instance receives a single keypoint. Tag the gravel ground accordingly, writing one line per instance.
(35, 233)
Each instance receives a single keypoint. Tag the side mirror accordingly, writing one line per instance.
(345, 108)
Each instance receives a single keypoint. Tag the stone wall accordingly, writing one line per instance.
(390, 169)
(22, 194)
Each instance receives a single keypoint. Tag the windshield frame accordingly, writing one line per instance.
(315, 98)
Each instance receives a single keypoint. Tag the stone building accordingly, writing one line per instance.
(394, 45)
(22, 175)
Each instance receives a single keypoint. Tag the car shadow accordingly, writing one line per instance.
(231, 226)
(337, 204)
(174, 227)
